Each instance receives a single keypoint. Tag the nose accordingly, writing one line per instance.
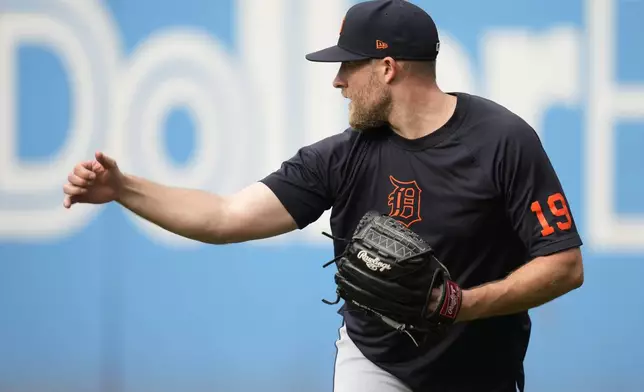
(339, 82)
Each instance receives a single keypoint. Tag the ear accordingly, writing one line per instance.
(390, 69)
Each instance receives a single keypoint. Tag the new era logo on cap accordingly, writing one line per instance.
(398, 28)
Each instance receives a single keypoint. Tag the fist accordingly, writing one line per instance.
(435, 298)
(95, 182)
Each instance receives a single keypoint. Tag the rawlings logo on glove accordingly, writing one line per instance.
(390, 272)
(373, 263)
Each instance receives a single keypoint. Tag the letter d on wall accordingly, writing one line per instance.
(80, 34)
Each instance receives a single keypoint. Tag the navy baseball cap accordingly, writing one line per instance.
(379, 28)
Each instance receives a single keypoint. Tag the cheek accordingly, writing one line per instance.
(361, 93)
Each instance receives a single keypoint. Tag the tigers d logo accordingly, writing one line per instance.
(404, 201)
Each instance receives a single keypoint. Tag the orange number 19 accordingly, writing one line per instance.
(556, 210)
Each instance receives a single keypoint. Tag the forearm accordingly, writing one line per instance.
(189, 213)
(530, 286)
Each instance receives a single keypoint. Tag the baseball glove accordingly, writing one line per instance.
(389, 271)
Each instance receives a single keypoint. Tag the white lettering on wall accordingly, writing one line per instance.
(80, 35)
(545, 65)
(181, 69)
(608, 102)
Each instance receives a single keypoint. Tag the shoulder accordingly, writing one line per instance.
(501, 142)
(492, 126)
(339, 141)
(341, 146)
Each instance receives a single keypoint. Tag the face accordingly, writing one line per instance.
(370, 104)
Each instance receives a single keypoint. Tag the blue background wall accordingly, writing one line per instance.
(95, 300)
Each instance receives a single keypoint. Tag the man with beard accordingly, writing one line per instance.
(466, 174)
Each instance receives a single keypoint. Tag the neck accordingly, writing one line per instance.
(421, 111)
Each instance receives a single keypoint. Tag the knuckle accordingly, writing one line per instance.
(75, 180)
(73, 190)
(82, 174)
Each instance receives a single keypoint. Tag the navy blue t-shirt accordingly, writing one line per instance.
(481, 190)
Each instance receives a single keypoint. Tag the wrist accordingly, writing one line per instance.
(468, 306)
(124, 186)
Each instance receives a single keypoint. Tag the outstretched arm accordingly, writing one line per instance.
(290, 198)
(252, 213)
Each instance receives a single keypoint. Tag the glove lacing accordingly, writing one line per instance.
(335, 259)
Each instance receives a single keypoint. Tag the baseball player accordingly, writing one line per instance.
(466, 174)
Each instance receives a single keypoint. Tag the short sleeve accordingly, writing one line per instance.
(534, 199)
(306, 183)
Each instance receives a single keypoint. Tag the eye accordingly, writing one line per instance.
(351, 65)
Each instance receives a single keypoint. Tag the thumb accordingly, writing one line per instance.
(68, 201)
(105, 161)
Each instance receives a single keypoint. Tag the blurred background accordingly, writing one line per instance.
(216, 94)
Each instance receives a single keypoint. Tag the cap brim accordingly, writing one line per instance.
(334, 54)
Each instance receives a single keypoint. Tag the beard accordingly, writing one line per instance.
(370, 108)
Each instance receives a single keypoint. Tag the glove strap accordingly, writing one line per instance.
(452, 299)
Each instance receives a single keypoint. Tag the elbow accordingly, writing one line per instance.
(577, 280)
(576, 270)
(209, 237)
(218, 235)
(225, 225)
(214, 233)
(214, 240)
(223, 238)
